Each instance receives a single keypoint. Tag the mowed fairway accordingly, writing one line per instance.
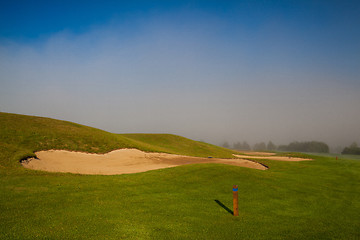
(317, 199)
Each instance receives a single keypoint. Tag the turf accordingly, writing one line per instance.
(292, 200)
(179, 145)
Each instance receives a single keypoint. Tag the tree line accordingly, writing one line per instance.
(352, 149)
(311, 146)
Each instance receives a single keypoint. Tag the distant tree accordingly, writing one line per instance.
(312, 146)
(352, 149)
(226, 144)
(271, 146)
(237, 146)
(260, 146)
(241, 146)
(245, 146)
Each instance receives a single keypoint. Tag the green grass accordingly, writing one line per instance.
(338, 155)
(292, 200)
(179, 145)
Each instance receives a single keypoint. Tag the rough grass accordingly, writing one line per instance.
(292, 200)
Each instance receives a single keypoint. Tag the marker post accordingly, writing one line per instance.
(235, 200)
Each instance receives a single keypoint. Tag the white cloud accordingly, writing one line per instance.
(186, 80)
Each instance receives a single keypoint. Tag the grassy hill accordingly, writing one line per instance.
(21, 136)
(178, 145)
(292, 200)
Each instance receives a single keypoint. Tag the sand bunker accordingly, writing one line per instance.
(278, 158)
(251, 153)
(119, 162)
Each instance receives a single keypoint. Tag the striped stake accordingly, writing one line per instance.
(235, 200)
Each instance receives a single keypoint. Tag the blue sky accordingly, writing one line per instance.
(210, 70)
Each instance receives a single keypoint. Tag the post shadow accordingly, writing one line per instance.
(224, 207)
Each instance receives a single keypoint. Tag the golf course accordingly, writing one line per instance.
(189, 196)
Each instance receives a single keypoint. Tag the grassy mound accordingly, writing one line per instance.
(21, 136)
(179, 145)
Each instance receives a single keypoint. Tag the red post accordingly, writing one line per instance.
(235, 200)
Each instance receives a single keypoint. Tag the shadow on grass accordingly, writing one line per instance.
(224, 207)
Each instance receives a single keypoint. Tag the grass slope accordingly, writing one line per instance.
(179, 145)
(292, 200)
(21, 136)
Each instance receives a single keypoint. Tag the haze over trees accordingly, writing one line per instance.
(312, 146)
(352, 149)
(226, 145)
(271, 146)
(241, 146)
(260, 146)
(307, 146)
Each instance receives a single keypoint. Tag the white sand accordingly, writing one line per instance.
(278, 158)
(120, 161)
(252, 153)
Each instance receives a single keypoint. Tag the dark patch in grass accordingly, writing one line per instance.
(27, 158)
(224, 207)
(267, 167)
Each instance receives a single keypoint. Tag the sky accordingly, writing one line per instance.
(208, 70)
